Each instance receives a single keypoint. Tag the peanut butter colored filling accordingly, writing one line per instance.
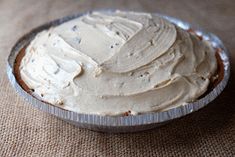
(110, 63)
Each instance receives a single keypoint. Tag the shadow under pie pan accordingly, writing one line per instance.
(130, 123)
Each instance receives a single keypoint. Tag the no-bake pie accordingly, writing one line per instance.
(117, 63)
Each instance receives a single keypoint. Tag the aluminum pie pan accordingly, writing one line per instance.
(120, 124)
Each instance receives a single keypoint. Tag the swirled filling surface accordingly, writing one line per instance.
(108, 63)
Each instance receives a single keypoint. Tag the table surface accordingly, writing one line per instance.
(25, 131)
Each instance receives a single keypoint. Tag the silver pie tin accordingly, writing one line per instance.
(120, 124)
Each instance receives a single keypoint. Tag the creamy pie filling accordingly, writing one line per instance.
(110, 63)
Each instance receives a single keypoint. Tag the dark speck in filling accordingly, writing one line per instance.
(117, 33)
(78, 40)
(126, 36)
(203, 78)
(121, 84)
(75, 28)
(145, 74)
(111, 46)
(56, 72)
(151, 42)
